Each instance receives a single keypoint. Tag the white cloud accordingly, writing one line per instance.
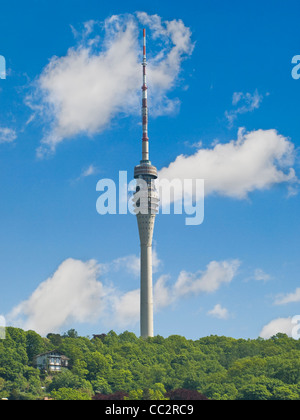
(162, 295)
(131, 264)
(125, 308)
(279, 325)
(288, 298)
(207, 281)
(7, 135)
(82, 92)
(89, 171)
(219, 312)
(260, 275)
(210, 280)
(247, 103)
(72, 294)
(257, 160)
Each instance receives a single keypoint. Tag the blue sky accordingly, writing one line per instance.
(223, 106)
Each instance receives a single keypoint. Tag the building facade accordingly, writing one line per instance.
(52, 361)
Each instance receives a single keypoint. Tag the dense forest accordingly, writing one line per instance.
(112, 366)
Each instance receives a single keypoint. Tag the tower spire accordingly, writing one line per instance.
(145, 140)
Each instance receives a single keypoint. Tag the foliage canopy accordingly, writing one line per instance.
(112, 366)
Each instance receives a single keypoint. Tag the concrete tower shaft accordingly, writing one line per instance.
(146, 226)
(146, 207)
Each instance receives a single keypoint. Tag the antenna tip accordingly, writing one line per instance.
(144, 32)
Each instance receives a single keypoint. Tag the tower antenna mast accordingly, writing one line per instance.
(145, 153)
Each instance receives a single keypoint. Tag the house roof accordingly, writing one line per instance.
(56, 352)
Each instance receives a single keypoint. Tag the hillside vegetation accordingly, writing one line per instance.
(217, 367)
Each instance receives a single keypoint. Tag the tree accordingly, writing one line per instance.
(34, 345)
(288, 370)
(115, 366)
(80, 369)
(4, 393)
(119, 395)
(67, 394)
(120, 379)
(67, 379)
(71, 333)
(254, 392)
(55, 339)
(157, 392)
(128, 337)
(221, 391)
(248, 366)
(185, 394)
(285, 392)
(136, 394)
(101, 386)
(96, 363)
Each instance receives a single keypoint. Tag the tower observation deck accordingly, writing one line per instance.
(146, 207)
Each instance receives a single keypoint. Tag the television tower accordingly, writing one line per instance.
(146, 207)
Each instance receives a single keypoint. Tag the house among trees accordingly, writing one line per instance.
(52, 361)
